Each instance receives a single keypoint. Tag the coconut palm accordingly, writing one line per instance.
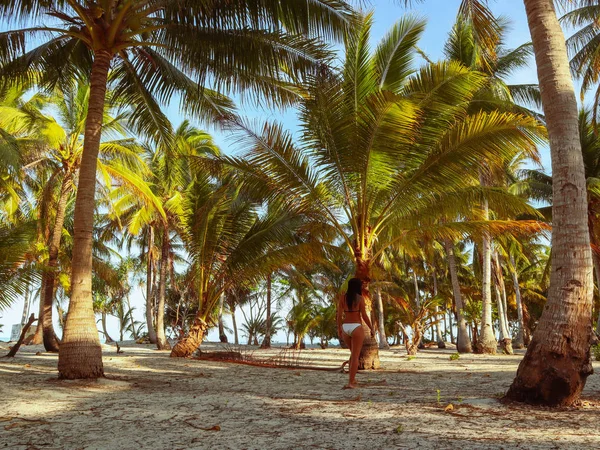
(387, 150)
(570, 297)
(464, 46)
(156, 49)
(171, 172)
(559, 351)
(582, 47)
(230, 244)
(538, 184)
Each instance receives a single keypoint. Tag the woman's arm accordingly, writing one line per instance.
(365, 316)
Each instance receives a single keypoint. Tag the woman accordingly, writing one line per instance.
(351, 307)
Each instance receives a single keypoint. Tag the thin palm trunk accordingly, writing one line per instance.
(133, 332)
(222, 335)
(38, 337)
(26, 303)
(80, 354)
(383, 343)
(557, 363)
(161, 340)
(463, 344)
(234, 324)
(107, 338)
(505, 337)
(267, 340)
(487, 338)
(438, 331)
(50, 341)
(149, 284)
(597, 272)
(369, 355)
(519, 341)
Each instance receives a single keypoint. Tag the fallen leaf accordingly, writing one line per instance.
(449, 408)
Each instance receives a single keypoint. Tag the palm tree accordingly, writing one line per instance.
(170, 174)
(155, 49)
(386, 151)
(582, 46)
(119, 159)
(538, 184)
(557, 362)
(231, 244)
(464, 46)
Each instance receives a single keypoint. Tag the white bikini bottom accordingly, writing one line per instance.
(349, 328)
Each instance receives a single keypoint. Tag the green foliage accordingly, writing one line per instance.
(596, 352)
(454, 356)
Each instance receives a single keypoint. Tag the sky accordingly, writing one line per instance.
(440, 16)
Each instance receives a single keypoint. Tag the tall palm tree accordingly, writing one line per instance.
(171, 172)
(119, 159)
(387, 150)
(557, 362)
(156, 49)
(464, 46)
(538, 184)
(583, 45)
(231, 244)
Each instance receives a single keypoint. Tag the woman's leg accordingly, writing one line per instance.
(358, 336)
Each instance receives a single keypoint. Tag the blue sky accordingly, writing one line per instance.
(440, 15)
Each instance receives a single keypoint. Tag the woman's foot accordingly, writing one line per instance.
(351, 386)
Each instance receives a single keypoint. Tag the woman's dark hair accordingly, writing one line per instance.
(354, 290)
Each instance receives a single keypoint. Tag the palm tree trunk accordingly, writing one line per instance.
(222, 335)
(80, 354)
(149, 284)
(519, 341)
(267, 340)
(505, 337)
(188, 345)
(383, 343)
(369, 355)
(50, 341)
(26, 301)
(438, 331)
(487, 338)
(234, 324)
(557, 362)
(133, 332)
(463, 344)
(596, 260)
(38, 337)
(161, 340)
(107, 338)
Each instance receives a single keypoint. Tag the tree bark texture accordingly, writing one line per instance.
(438, 331)
(149, 284)
(51, 343)
(161, 339)
(557, 363)
(80, 354)
(369, 355)
(519, 341)
(505, 337)
(222, 335)
(266, 343)
(487, 338)
(38, 337)
(463, 343)
(188, 345)
(383, 343)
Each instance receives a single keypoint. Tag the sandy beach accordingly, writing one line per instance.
(149, 400)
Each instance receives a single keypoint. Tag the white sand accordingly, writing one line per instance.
(152, 401)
